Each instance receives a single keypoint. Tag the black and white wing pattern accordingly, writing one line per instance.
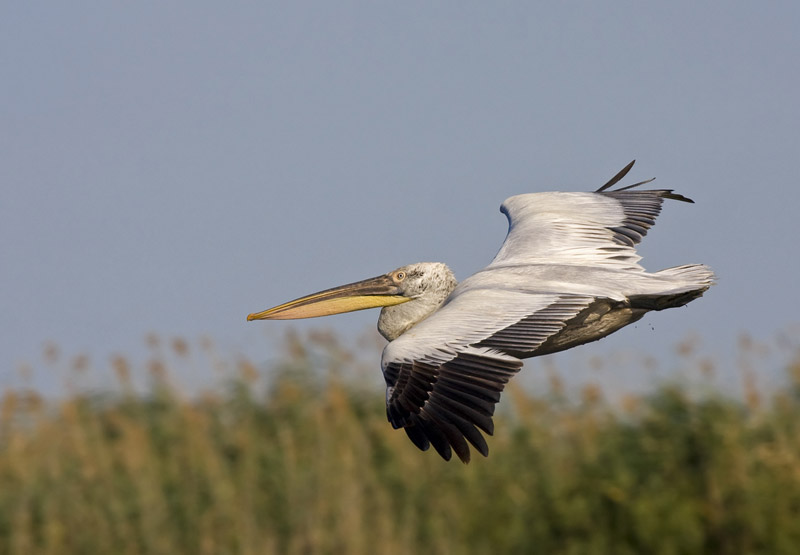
(441, 390)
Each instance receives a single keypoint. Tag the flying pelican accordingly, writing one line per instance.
(566, 274)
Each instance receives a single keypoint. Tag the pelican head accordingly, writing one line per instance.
(408, 295)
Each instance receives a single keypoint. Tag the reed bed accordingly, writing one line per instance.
(307, 464)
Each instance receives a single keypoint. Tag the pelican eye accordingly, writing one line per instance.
(399, 276)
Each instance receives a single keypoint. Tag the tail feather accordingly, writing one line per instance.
(696, 275)
(689, 283)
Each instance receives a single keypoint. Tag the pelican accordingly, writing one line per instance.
(566, 274)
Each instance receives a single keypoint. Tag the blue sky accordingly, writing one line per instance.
(170, 168)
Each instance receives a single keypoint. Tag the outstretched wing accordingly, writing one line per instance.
(598, 229)
(445, 375)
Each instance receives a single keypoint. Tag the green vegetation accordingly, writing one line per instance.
(309, 465)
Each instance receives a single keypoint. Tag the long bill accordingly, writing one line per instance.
(370, 293)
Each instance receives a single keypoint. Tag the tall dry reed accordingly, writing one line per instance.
(308, 464)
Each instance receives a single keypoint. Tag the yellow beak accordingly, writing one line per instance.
(370, 293)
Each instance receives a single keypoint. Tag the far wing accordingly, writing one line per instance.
(445, 375)
(594, 229)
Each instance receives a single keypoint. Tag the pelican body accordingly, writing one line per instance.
(566, 274)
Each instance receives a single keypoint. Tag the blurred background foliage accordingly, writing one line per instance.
(296, 456)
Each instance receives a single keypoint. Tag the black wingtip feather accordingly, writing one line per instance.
(462, 429)
(436, 438)
(454, 438)
(664, 193)
(675, 196)
(626, 187)
(466, 412)
(417, 437)
(614, 180)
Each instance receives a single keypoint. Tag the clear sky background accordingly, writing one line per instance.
(171, 167)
